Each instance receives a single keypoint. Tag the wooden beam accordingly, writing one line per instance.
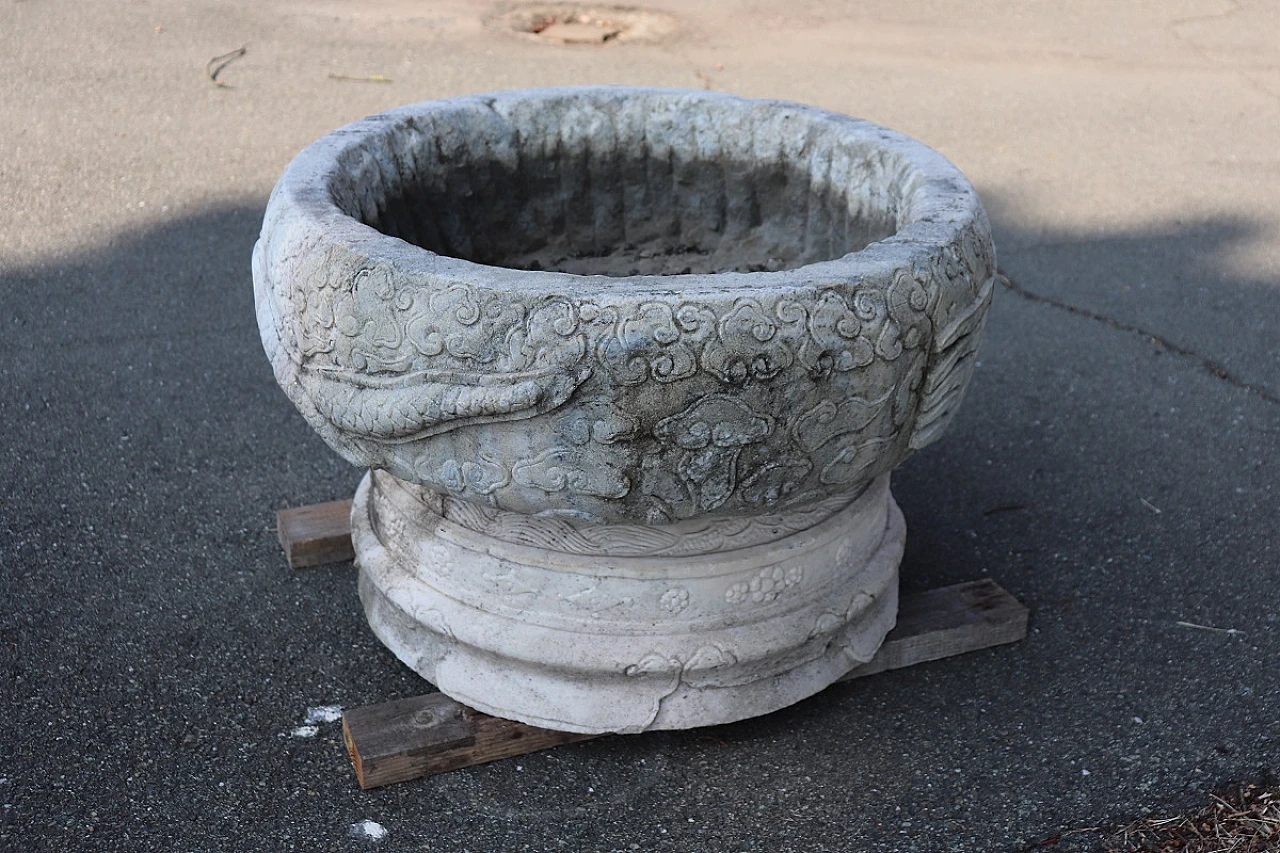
(425, 735)
(316, 534)
(946, 622)
(409, 738)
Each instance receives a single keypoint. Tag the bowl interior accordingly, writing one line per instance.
(618, 189)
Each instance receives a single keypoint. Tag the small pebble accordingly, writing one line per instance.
(324, 714)
(367, 830)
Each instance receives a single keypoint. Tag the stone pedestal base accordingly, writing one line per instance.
(619, 628)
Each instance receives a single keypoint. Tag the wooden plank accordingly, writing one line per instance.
(946, 622)
(316, 534)
(425, 735)
(409, 738)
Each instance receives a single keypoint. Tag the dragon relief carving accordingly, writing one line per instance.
(397, 362)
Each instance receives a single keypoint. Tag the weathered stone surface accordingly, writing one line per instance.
(636, 627)
(605, 318)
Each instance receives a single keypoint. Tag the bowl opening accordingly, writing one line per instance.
(629, 195)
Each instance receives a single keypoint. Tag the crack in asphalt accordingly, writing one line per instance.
(1213, 367)
(1174, 28)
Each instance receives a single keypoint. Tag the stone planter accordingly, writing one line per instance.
(631, 368)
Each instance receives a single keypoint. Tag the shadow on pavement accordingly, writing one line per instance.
(156, 656)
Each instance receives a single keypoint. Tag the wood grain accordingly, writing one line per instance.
(424, 735)
(946, 622)
(316, 534)
(409, 738)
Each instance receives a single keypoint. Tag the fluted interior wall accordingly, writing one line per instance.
(590, 190)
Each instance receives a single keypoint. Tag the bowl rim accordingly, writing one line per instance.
(943, 205)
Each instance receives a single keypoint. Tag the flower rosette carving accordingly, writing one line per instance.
(702, 662)
(765, 587)
(675, 600)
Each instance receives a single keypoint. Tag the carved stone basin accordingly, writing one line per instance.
(630, 369)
